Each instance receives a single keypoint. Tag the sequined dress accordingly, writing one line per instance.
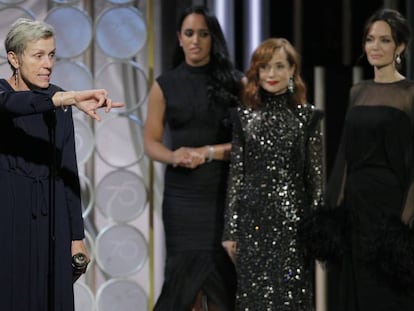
(275, 177)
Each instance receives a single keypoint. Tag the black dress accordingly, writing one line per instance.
(372, 181)
(25, 157)
(193, 203)
(275, 179)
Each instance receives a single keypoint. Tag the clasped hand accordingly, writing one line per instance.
(188, 157)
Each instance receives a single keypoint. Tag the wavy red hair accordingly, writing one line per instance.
(260, 57)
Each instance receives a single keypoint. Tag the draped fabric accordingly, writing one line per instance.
(372, 182)
(25, 157)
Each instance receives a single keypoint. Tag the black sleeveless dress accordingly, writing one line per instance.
(193, 203)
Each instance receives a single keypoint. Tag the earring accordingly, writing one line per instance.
(398, 59)
(16, 77)
(291, 85)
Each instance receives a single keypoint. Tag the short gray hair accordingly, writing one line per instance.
(25, 30)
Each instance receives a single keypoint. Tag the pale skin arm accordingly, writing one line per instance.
(78, 246)
(188, 157)
(231, 249)
(87, 101)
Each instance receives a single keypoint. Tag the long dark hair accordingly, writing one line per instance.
(400, 30)
(224, 83)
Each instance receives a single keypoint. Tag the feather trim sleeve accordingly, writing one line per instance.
(323, 231)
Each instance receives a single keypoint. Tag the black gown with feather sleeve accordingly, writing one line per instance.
(372, 182)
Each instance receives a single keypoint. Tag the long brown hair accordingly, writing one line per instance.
(400, 28)
(261, 56)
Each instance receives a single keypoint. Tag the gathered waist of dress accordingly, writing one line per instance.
(23, 174)
(39, 189)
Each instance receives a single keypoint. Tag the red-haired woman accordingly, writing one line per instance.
(275, 178)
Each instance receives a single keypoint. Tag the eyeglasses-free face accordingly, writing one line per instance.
(380, 46)
(195, 40)
(274, 76)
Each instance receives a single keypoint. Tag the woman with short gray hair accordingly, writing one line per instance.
(30, 110)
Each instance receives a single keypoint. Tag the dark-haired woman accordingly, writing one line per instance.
(373, 178)
(194, 100)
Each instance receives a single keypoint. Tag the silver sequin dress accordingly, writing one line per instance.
(275, 177)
